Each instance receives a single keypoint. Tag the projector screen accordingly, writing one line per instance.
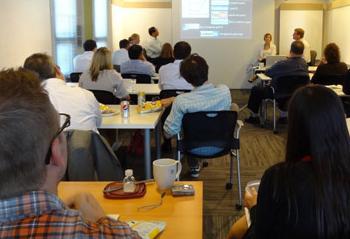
(216, 19)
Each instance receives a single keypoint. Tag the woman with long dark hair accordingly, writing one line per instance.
(307, 195)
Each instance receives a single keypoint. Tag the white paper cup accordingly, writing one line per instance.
(165, 172)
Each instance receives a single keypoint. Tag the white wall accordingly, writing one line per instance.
(25, 29)
(229, 59)
(337, 30)
(310, 20)
(126, 21)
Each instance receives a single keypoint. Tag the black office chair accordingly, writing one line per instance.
(140, 78)
(282, 90)
(212, 128)
(105, 97)
(91, 158)
(313, 55)
(74, 76)
(330, 80)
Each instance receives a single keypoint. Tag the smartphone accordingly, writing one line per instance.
(182, 190)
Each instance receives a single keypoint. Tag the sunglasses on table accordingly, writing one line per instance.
(65, 118)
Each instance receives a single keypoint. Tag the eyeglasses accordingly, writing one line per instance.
(65, 118)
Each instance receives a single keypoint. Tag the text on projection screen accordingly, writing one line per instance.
(216, 19)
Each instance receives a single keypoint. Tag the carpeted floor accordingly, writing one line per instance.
(260, 149)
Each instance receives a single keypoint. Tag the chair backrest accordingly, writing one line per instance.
(105, 97)
(74, 76)
(346, 84)
(286, 85)
(171, 93)
(140, 78)
(331, 79)
(91, 158)
(208, 128)
(313, 55)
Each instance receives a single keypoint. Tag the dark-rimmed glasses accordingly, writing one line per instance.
(66, 124)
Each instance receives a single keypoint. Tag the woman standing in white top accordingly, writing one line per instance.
(102, 76)
(268, 49)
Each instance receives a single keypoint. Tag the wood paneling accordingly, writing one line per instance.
(126, 4)
(302, 6)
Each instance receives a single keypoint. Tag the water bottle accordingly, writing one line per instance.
(129, 181)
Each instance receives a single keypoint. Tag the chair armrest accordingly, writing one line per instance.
(239, 124)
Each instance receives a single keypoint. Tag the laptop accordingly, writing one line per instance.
(270, 60)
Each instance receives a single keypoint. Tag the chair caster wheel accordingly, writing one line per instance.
(275, 132)
(228, 186)
(239, 206)
(205, 164)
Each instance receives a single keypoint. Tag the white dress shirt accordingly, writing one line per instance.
(153, 48)
(307, 49)
(82, 62)
(170, 78)
(79, 103)
(120, 56)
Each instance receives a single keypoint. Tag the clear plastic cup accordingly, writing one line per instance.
(252, 184)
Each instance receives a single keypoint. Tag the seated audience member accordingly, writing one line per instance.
(137, 63)
(33, 156)
(134, 39)
(346, 84)
(166, 56)
(295, 65)
(120, 56)
(82, 62)
(204, 97)
(331, 71)
(102, 76)
(268, 48)
(153, 46)
(80, 104)
(298, 35)
(169, 75)
(307, 195)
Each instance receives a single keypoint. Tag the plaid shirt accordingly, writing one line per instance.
(40, 214)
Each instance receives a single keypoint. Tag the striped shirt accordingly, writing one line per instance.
(40, 214)
(206, 97)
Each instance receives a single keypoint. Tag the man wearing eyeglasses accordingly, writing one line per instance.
(33, 159)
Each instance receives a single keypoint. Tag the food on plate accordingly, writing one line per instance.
(150, 106)
(105, 109)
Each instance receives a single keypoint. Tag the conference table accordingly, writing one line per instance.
(264, 78)
(311, 69)
(145, 121)
(132, 88)
(183, 215)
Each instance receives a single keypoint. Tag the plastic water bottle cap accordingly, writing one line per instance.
(129, 172)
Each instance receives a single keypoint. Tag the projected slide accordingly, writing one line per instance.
(216, 19)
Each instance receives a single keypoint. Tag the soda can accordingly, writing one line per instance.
(124, 108)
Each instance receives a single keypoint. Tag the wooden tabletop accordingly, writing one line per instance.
(135, 120)
(183, 215)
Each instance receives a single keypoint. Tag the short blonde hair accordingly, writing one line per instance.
(102, 60)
